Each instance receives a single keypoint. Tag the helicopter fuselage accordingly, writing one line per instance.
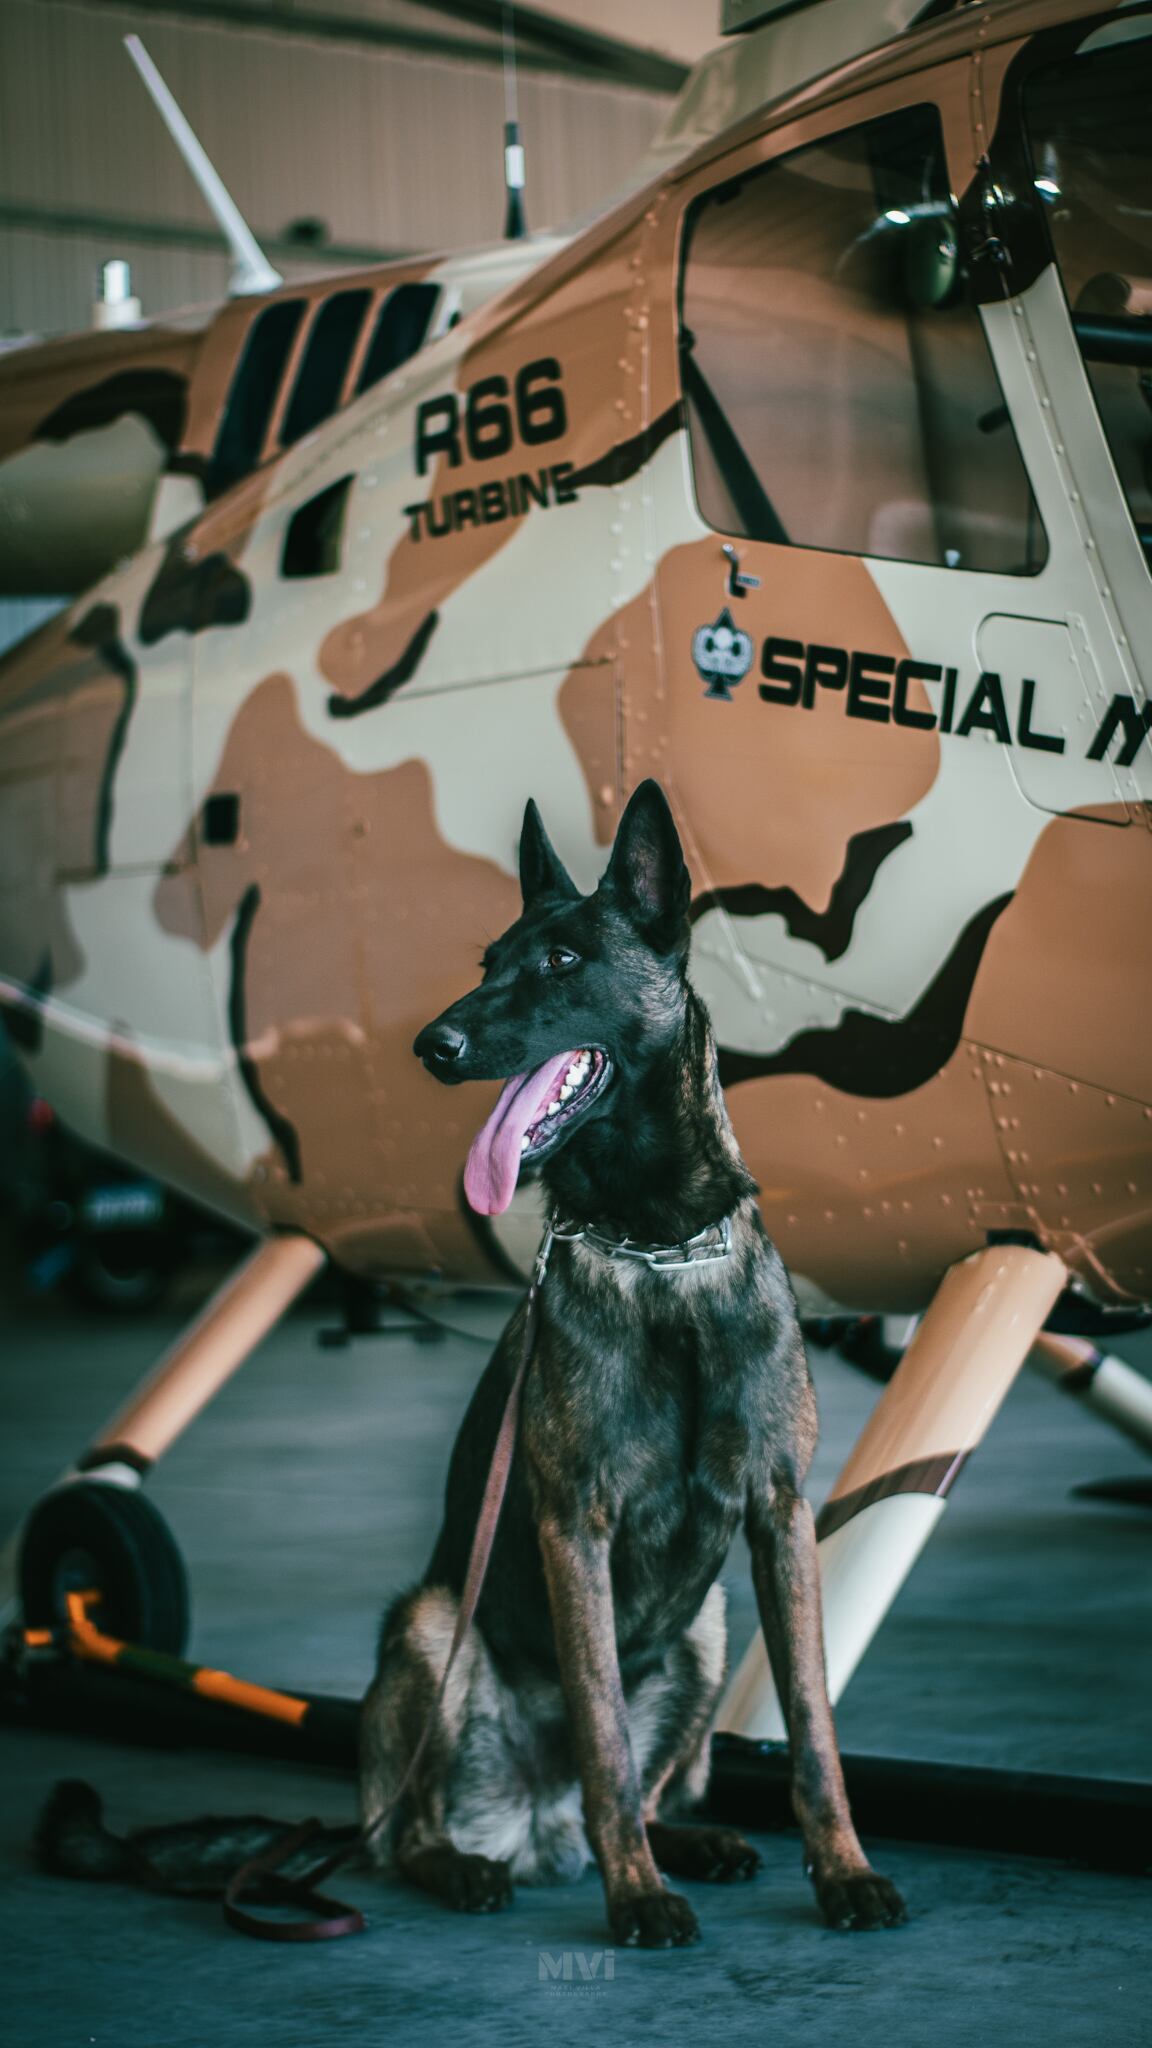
(809, 482)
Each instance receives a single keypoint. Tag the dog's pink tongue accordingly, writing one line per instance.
(494, 1160)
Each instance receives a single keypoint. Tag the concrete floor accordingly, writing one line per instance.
(311, 1488)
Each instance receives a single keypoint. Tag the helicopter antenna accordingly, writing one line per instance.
(515, 225)
(251, 270)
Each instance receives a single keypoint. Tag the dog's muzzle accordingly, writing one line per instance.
(441, 1047)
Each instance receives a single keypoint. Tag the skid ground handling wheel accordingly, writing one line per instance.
(98, 1534)
(95, 1535)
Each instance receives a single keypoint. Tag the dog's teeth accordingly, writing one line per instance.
(565, 1092)
(552, 1108)
(524, 1142)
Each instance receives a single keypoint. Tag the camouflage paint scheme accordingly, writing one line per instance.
(924, 962)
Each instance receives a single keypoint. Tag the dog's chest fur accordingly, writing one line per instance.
(649, 1397)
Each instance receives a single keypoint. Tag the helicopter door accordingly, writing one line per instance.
(1075, 139)
(847, 505)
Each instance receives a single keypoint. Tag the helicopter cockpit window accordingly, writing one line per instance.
(401, 329)
(327, 354)
(255, 387)
(839, 389)
(1089, 125)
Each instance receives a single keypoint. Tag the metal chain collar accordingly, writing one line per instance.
(712, 1243)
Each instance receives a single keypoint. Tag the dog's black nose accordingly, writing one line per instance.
(440, 1045)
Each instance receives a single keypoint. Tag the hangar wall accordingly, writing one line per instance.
(394, 149)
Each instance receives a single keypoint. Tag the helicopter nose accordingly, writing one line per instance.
(440, 1045)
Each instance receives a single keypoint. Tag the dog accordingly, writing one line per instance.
(668, 1399)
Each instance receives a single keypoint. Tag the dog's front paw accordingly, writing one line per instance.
(652, 1920)
(712, 1855)
(479, 1885)
(859, 1899)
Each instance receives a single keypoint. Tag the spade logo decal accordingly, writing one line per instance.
(722, 654)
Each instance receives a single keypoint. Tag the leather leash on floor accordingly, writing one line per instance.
(261, 1876)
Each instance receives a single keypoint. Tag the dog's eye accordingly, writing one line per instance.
(560, 958)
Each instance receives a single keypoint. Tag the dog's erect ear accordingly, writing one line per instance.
(541, 869)
(646, 874)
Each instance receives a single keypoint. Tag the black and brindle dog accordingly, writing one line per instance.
(661, 1409)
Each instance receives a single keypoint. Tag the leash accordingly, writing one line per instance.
(259, 1878)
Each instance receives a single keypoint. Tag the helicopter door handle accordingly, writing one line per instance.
(738, 583)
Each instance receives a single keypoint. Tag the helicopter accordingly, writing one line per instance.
(814, 479)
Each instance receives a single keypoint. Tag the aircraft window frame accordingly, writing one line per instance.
(386, 316)
(307, 370)
(752, 511)
(1112, 314)
(251, 377)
